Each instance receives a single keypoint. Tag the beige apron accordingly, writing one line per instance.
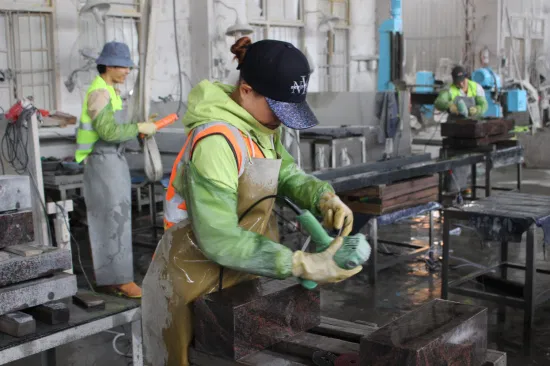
(180, 273)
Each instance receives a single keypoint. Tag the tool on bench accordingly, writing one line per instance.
(153, 162)
(354, 251)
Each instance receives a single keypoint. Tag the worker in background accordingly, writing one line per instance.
(464, 97)
(221, 228)
(103, 129)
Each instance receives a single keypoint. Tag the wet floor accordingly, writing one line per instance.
(400, 289)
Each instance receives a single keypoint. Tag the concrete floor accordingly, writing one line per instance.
(401, 288)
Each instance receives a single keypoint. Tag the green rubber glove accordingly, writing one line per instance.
(321, 267)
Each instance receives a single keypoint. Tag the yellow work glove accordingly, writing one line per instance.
(336, 215)
(321, 267)
(147, 128)
(453, 108)
(472, 111)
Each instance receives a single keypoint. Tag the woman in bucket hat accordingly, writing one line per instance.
(101, 135)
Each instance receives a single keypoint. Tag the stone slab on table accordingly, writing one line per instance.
(15, 268)
(51, 313)
(438, 333)
(37, 292)
(16, 228)
(252, 316)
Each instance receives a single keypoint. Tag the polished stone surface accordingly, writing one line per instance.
(438, 333)
(16, 228)
(252, 316)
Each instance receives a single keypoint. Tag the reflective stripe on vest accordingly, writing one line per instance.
(473, 89)
(243, 147)
(86, 137)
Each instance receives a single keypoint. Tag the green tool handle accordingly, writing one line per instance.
(318, 236)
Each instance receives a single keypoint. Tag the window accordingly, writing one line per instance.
(26, 55)
(334, 45)
(277, 19)
(121, 24)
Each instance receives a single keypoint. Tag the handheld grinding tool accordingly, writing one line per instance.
(354, 251)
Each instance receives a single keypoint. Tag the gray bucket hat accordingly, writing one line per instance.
(115, 54)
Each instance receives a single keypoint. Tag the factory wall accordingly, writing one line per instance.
(202, 45)
(433, 30)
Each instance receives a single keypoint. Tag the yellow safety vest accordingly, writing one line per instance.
(86, 137)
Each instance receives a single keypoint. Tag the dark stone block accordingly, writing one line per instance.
(16, 228)
(15, 268)
(52, 313)
(89, 301)
(252, 316)
(17, 324)
(439, 333)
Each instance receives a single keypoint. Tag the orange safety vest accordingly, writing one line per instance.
(243, 147)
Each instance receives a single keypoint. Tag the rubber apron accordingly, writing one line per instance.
(462, 174)
(108, 197)
(180, 272)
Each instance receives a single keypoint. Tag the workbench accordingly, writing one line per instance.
(503, 218)
(360, 176)
(82, 324)
(332, 335)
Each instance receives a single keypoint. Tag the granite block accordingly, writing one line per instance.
(16, 228)
(51, 313)
(17, 324)
(15, 268)
(252, 316)
(15, 192)
(36, 292)
(438, 333)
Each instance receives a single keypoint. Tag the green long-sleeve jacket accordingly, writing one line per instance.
(446, 97)
(211, 182)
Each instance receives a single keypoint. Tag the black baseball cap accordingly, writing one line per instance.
(280, 72)
(459, 74)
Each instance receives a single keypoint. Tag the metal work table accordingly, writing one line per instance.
(503, 217)
(360, 176)
(82, 324)
(386, 172)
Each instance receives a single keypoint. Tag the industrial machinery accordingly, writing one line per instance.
(515, 100)
(391, 57)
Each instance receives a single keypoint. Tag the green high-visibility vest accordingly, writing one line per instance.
(86, 137)
(472, 90)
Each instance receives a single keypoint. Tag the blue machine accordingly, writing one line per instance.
(516, 100)
(425, 81)
(390, 65)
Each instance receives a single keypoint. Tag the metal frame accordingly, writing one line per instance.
(528, 303)
(375, 267)
(267, 23)
(12, 11)
(47, 344)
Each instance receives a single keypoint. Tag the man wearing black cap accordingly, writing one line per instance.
(463, 98)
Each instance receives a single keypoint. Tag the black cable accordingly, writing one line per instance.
(66, 219)
(14, 144)
(247, 211)
(177, 56)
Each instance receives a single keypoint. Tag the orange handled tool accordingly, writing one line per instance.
(163, 122)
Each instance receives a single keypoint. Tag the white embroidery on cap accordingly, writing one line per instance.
(299, 87)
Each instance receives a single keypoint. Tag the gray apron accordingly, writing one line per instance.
(461, 174)
(107, 192)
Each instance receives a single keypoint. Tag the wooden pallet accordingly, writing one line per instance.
(333, 335)
(472, 129)
(466, 143)
(377, 200)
